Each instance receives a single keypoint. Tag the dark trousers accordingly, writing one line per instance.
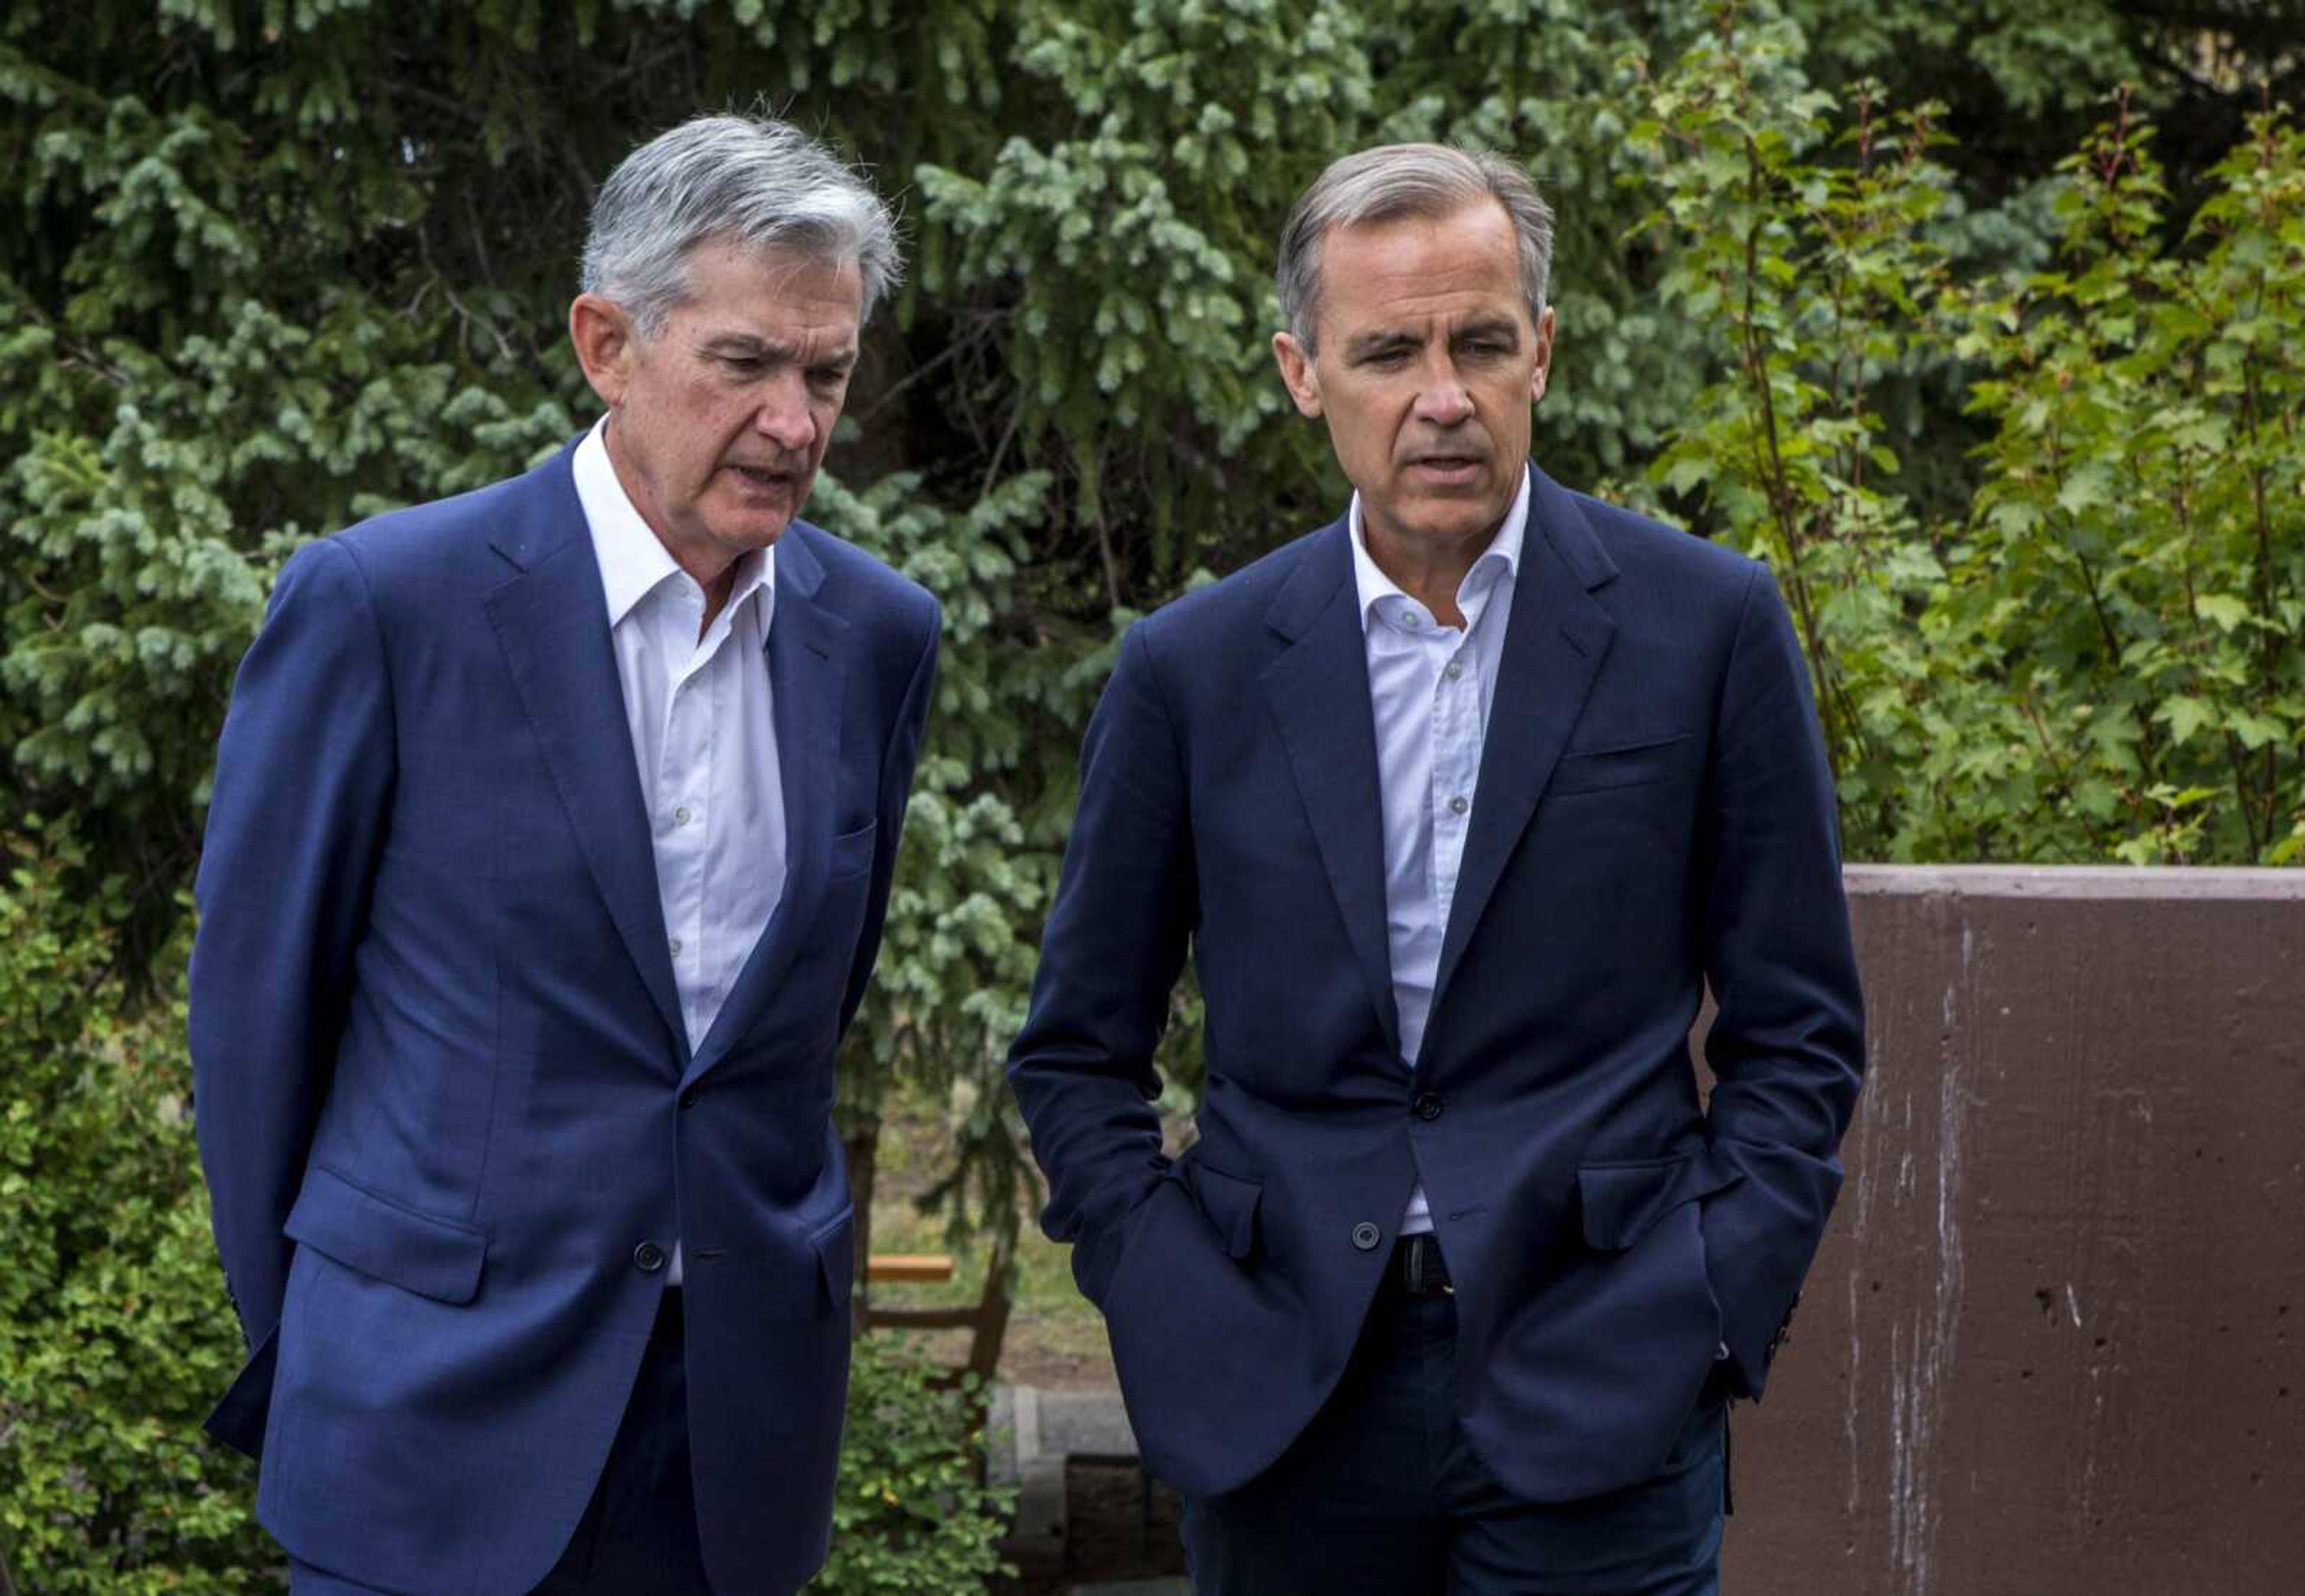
(1382, 1496)
(638, 1535)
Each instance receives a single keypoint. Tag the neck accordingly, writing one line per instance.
(1428, 569)
(716, 595)
(708, 564)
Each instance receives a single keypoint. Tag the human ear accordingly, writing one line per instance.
(1296, 373)
(604, 338)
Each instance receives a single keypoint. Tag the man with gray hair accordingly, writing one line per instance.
(552, 833)
(1459, 805)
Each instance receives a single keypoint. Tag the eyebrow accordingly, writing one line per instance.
(1495, 327)
(747, 346)
(1368, 345)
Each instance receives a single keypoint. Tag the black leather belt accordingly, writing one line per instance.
(1418, 1268)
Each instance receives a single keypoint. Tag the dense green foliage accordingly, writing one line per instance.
(2094, 651)
(113, 1345)
(908, 1514)
(2007, 401)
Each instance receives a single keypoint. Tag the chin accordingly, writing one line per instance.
(754, 530)
(1459, 519)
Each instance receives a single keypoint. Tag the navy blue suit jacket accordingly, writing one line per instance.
(1654, 813)
(447, 1109)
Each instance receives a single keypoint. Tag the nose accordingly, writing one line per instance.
(1442, 400)
(784, 417)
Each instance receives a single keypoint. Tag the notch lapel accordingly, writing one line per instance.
(808, 676)
(1553, 651)
(1319, 693)
(552, 622)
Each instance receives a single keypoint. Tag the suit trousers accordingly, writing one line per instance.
(638, 1536)
(1383, 1496)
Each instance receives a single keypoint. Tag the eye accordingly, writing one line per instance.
(828, 379)
(1387, 360)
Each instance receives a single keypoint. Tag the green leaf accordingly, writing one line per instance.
(2226, 611)
(2185, 716)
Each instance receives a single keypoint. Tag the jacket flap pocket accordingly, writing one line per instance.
(1622, 1202)
(852, 851)
(1627, 765)
(433, 1258)
(1229, 1204)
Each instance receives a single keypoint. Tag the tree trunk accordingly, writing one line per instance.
(992, 1306)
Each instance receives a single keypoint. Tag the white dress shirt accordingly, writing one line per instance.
(1431, 686)
(704, 728)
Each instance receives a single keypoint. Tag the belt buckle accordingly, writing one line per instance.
(1422, 1248)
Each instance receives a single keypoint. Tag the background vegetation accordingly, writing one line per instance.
(1973, 318)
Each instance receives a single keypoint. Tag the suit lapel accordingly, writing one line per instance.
(552, 622)
(807, 667)
(1553, 648)
(1319, 693)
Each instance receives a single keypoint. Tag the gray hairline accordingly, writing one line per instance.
(755, 181)
(1397, 181)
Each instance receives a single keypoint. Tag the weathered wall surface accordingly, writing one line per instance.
(2055, 1340)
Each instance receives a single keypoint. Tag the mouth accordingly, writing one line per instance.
(762, 479)
(1447, 468)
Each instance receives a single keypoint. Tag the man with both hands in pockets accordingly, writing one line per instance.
(1459, 803)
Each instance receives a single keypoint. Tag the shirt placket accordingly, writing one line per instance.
(683, 788)
(1456, 760)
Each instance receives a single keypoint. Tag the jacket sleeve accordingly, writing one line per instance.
(1787, 1046)
(896, 787)
(304, 779)
(1082, 1068)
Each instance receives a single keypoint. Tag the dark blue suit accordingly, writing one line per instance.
(1654, 812)
(448, 1112)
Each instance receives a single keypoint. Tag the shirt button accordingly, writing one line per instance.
(647, 1258)
(1456, 669)
(1457, 806)
(680, 816)
(676, 947)
(1367, 1235)
(1427, 1106)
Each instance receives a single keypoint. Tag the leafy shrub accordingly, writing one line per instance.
(909, 1517)
(115, 1337)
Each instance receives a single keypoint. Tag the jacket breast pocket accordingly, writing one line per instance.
(1633, 764)
(437, 1259)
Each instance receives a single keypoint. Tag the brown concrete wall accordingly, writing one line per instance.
(2055, 1340)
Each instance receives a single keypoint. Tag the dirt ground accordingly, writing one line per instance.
(1109, 1535)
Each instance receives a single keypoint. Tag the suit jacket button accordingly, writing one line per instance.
(1367, 1235)
(688, 1098)
(648, 1257)
(1427, 1106)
